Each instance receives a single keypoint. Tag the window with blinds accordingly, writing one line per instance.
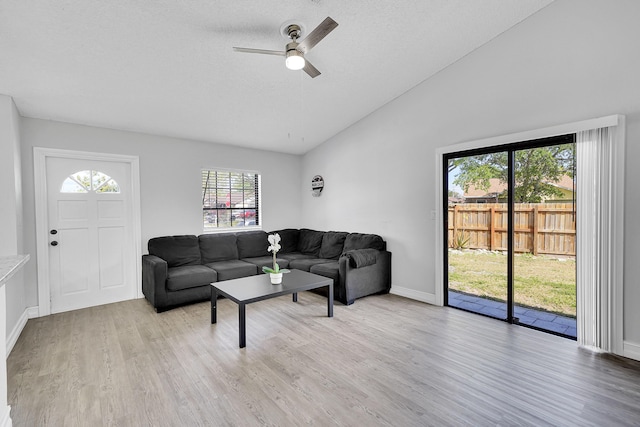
(230, 199)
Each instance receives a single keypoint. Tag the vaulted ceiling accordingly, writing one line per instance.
(167, 67)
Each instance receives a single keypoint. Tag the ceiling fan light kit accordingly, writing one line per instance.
(294, 52)
(294, 60)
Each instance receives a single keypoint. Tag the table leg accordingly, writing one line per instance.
(214, 308)
(243, 325)
(295, 297)
(330, 301)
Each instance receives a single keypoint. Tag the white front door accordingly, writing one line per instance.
(91, 244)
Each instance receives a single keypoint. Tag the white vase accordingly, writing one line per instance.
(276, 278)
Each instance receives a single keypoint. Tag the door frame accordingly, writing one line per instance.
(617, 220)
(510, 161)
(40, 156)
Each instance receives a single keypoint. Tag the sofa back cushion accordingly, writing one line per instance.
(364, 241)
(218, 247)
(288, 239)
(176, 250)
(310, 241)
(252, 244)
(332, 244)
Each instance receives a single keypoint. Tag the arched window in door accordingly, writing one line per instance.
(89, 181)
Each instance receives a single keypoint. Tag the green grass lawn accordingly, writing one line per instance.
(541, 282)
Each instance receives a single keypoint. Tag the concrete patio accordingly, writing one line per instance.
(527, 316)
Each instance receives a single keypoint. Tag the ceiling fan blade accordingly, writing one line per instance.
(263, 51)
(318, 33)
(310, 69)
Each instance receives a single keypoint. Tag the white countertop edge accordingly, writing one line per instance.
(9, 265)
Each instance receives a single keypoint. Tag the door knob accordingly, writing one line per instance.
(54, 232)
(54, 243)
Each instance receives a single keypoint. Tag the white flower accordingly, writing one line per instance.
(274, 248)
(274, 239)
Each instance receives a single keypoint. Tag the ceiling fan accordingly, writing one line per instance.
(294, 52)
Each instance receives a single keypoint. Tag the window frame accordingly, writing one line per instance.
(231, 202)
(90, 187)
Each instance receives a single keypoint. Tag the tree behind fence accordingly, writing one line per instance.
(540, 228)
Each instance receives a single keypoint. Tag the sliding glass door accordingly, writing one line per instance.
(510, 221)
(477, 234)
(544, 271)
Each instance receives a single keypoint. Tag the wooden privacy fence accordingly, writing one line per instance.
(539, 228)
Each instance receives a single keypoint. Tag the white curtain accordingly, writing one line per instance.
(595, 238)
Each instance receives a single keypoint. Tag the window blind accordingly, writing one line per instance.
(230, 199)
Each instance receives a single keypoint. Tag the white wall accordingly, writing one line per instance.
(11, 212)
(574, 60)
(12, 294)
(11, 206)
(170, 179)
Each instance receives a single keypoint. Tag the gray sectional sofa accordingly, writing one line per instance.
(179, 269)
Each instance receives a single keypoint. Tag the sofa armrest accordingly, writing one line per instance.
(366, 280)
(361, 257)
(154, 279)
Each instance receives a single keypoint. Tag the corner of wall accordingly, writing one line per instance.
(12, 337)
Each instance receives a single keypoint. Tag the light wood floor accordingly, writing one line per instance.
(385, 360)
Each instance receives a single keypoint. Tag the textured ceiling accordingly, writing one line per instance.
(167, 67)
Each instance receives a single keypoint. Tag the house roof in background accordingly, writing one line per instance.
(167, 67)
(497, 187)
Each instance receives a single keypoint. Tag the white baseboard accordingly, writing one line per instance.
(5, 419)
(413, 294)
(33, 312)
(12, 338)
(631, 350)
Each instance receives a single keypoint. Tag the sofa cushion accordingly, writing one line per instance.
(330, 270)
(252, 244)
(363, 241)
(310, 241)
(332, 244)
(266, 261)
(233, 269)
(176, 250)
(288, 239)
(218, 247)
(294, 255)
(306, 264)
(189, 276)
